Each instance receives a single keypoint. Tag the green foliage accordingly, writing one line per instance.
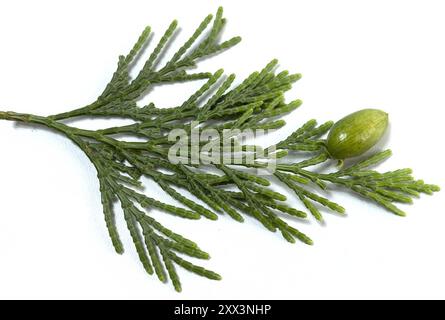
(237, 191)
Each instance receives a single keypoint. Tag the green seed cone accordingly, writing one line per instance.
(356, 133)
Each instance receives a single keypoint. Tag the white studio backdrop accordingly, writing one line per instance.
(56, 56)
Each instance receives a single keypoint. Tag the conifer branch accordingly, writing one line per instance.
(237, 190)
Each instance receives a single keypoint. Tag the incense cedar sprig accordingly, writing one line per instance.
(385, 189)
(256, 103)
(120, 95)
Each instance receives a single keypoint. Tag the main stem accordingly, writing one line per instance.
(71, 132)
(60, 127)
(31, 118)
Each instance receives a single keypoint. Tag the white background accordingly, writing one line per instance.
(57, 55)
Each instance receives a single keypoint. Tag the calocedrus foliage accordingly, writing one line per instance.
(238, 191)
